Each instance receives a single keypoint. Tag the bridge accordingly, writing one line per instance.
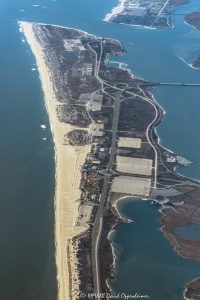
(176, 14)
(170, 83)
(178, 84)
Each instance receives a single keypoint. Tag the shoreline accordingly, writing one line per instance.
(66, 156)
(186, 287)
(119, 9)
(122, 218)
(190, 25)
(135, 25)
(116, 10)
(191, 20)
(68, 161)
(187, 64)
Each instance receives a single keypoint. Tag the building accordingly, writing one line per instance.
(132, 165)
(131, 185)
(171, 159)
(160, 200)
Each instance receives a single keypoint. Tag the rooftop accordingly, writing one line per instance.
(134, 165)
(131, 185)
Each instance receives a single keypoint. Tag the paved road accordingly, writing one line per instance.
(116, 112)
(98, 225)
(97, 230)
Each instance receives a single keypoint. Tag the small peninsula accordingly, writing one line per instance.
(103, 121)
(192, 290)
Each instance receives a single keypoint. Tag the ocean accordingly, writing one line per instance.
(27, 159)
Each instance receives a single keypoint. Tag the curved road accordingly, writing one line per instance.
(97, 230)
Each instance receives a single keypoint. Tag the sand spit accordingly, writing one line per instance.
(69, 160)
(115, 11)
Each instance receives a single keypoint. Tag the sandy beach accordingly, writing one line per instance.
(115, 11)
(69, 160)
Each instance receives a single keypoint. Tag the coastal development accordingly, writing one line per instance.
(103, 120)
(148, 13)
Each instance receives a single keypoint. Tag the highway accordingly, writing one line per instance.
(98, 225)
(116, 111)
(97, 231)
(96, 235)
(148, 131)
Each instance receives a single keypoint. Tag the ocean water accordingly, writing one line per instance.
(27, 266)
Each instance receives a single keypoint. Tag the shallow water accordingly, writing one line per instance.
(188, 232)
(147, 263)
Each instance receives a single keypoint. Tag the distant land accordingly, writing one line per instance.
(147, 13)
(193, 19)
(103, 120)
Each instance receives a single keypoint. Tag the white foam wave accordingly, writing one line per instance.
(43, 126)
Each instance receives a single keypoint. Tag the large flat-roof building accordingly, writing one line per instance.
(135, 186)
(132, 165)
